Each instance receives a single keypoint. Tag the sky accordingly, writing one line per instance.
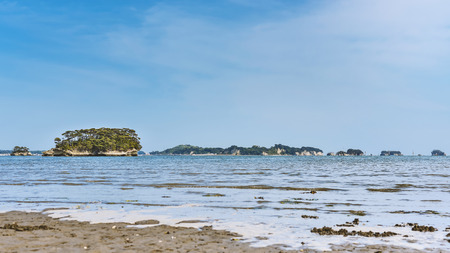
(333, 74)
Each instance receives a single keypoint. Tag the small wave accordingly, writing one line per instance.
(438, 175)
(73, 184)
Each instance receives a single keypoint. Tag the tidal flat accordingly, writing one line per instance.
(263, 203)
(37, 232)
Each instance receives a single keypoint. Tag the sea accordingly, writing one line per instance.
(269, 200)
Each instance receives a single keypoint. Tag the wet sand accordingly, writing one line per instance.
(37, 232)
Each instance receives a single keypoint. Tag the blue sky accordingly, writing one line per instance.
(330, 74)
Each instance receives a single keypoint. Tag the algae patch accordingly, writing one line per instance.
(213, 195)
(359, 213)
(310, 217)
(384, 189)
(16, 227)
(344, 232)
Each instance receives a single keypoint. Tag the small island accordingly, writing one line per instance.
(391, 153)
(437, 152)
(20, 151)
(350, 152)
(277, 149)
(97, 142)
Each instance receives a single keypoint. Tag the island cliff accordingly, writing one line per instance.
(97, 142)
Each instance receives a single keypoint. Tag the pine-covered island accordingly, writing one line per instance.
(97, 142)
(277, 149)
(20, 151)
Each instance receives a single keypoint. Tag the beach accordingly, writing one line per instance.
(37, 232)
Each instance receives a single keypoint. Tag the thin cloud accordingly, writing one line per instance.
(341, 57)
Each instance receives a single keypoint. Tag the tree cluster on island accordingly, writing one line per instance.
(277, 149)
(97, 142)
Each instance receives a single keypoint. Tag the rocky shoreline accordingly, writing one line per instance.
(60, 152)
(21, 154)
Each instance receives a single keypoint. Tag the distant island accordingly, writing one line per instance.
(97, 142)
(391, 153)
(4, 152)
(437, 152)
(350, 152)
(125, 142)
(277, 149)
(20, 151)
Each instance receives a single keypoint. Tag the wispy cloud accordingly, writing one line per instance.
(340, 43)
(337, 57)
(8, 6)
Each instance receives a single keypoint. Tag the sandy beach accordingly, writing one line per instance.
(37, 232)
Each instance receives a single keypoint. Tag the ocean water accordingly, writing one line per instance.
(262, 198)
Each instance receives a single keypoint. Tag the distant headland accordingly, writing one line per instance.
(97, 142)
(277, 149)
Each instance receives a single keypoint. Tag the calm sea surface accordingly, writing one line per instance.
(262, 198)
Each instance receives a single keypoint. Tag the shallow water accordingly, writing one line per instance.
(262, 197)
